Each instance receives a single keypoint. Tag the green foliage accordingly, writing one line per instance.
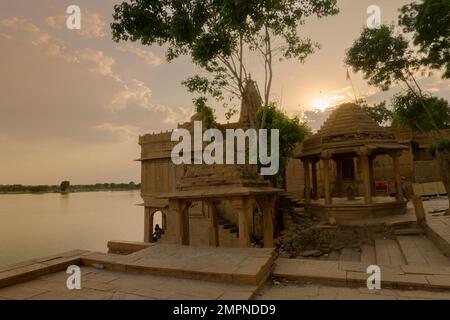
(292, 132)
(408, 108)
(214, 33)
(441, 144)
(429, 22)
(382, 56)
(64, 186)
(378, 112)
(207, 113)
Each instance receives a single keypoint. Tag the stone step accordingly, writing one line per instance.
(438, 230)
(408, 232)
(249, 266)
(419, 250)
(352, 273)
(368, 255)
(29, 270)
(388, 253)
(348, 254)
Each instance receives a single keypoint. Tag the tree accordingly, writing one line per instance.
(64, 186)
(385, 57)
(378, 112)
(429, 22)
(406, 108)
(218, 34)
(292, 132)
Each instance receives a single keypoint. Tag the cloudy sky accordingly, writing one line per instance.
(73, 102)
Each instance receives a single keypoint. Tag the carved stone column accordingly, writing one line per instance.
(326, 177)
(363, 154)
(314, 180)
(372, 175)
(307, 180)
(148, 224)
(397, 178)
(181, 211)
(339, 176)
(213, 227)
(244, 208)
(267, 206)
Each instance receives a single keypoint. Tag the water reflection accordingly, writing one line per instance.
(34, 226)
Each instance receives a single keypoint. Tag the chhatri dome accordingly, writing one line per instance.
(348, 142)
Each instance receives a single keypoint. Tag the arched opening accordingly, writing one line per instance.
(157, 219)
(153, 219)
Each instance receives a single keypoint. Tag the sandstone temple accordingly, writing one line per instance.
(228, 234)
(350, 169)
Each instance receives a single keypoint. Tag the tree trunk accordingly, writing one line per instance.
(443, 158)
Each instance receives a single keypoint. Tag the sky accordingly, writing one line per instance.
(73, 102)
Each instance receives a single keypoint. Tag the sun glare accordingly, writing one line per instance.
(320, 104)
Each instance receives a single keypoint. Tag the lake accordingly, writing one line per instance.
(38, 225)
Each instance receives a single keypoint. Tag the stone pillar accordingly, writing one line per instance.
(267, 206)
(213, 227)
(181, 211)
(365, 172)
(148, 224)
(397, 178)
(314, 180)
(339, 177)
(307, 181)
(163, 220)
(419, 210)
(372, 176)
(244, 208)
(326, 178)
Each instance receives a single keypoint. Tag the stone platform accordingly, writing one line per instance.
(155, 272)
(115, 285)
(233, 265)
(347, 273)
(349, 210)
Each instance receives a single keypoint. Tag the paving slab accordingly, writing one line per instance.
(238, 265)
(307, 270)
(438, 230)
(388, 253)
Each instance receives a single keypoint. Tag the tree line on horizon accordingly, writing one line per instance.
(65, 186)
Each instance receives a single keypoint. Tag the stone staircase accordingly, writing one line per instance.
(410, 261)
(414, 250)
(228, 233)
(291, 208)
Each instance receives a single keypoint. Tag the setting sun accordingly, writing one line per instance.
(320, 104)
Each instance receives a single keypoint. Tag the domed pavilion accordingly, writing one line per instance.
(349, 136)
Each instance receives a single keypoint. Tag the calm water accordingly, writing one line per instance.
(33, 226)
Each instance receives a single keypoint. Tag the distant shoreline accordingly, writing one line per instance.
(79, 191)
(43, 189)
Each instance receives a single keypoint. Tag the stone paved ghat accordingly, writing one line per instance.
(354, 273)
(234, 265)
(13, 274)
(438, 229)
(114, 285)
(157, 271)
(213, 273)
